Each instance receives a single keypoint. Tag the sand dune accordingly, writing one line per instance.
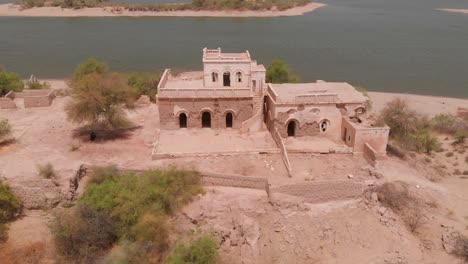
(13, 10)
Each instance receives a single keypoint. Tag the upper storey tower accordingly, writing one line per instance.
(232, 70)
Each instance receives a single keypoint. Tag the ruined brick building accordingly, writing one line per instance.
(231, 93)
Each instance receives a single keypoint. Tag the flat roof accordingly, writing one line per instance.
(319, 92)
(217, 55)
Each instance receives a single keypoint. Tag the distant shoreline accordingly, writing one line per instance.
(463, 11)
(14, 10)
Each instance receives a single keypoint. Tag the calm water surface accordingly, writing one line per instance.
(396, 45)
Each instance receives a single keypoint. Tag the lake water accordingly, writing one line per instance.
(383, 45)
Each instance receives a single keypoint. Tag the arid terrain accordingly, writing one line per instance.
(308, 218)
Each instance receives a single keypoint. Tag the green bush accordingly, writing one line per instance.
(126, 198)
(144, 84)
(37, 85)
(10, 207)
(279, 72)
(88, 67)
(10, 81)
(201, 251)
(424, 141)
(100, 174)
(83, 233)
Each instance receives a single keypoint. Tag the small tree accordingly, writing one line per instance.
(279, 72)
(5, 129)
(99, 99)
(144, 84)
(88, 67)
(399, 117)
(10, 81)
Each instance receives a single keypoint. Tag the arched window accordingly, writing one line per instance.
(292, 128)
(239, 76)
(324, 125)
(206, 119)
(360, 111)
(229, 120)
(182, 120)
(214, 76)
(227, 79)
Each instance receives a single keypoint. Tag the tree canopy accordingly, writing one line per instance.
(89, 66)
(10, 81)
(99, 99)
(279, 72)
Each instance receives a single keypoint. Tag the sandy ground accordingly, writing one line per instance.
(250, 227)
(15, 10)
(463, 11)
(424, 104)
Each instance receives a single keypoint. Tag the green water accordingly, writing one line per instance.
(391, 45)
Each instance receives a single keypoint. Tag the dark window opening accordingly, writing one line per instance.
(229, 120)
(239, 76)
(206, 119)
(292, 129)
(323, 126)
(227, 79)
(183, 120)
(214, 77)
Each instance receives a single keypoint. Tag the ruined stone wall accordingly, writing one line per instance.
(357, 136)
(369, 154)
(36, 98)
(231, 180)
(315, 192)
(308, 120)
(7, 102)
(169, 111)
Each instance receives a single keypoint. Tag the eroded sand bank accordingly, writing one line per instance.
(463, 11)
(14, 10)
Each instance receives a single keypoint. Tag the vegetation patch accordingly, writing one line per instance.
(10, 207)
(5, 129)
(202, 250)
(134, 208)
(409, 129)
(47, 171)
(279, 72)
(194, 5)
(10, 81)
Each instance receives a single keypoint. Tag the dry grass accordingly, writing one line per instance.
(31, 253)
(47, 171)
(396, 196)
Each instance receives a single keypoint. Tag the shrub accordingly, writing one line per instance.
(396, 196)
(5, 128)
(89, 67)
(10, 81)
(460, 136)
(10, 207)
(83, 233)
(449, 154)
(47, 171)
(37, 85)
(144, 84)
(424, 141)
(201, 251)
(444, 123)
(126, 198)
(278, 72)
(399, 117)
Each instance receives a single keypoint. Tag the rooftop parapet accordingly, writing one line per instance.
(216, 55)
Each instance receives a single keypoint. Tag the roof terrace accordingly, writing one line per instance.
(216, 55)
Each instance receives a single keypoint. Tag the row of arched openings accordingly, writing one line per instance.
(226, 78)
(205, 120)
(292, 127)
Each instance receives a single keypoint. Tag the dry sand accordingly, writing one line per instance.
(424, 104)
(463, 11)
(16, 11)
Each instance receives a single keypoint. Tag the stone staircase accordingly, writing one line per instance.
(257, 103)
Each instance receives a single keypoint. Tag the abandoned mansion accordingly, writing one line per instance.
(232, 93)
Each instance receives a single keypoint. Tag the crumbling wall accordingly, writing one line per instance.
(356, 136)
(7, 102)
(170, 109)
(231, 180)
(370, 155)
(284, 153)
(39, 98)
(253, 124)
(318, 192)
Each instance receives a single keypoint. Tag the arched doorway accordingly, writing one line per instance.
(292, 129)
(206, 119)
(227, 79)
(229, 120)
(182, 120)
